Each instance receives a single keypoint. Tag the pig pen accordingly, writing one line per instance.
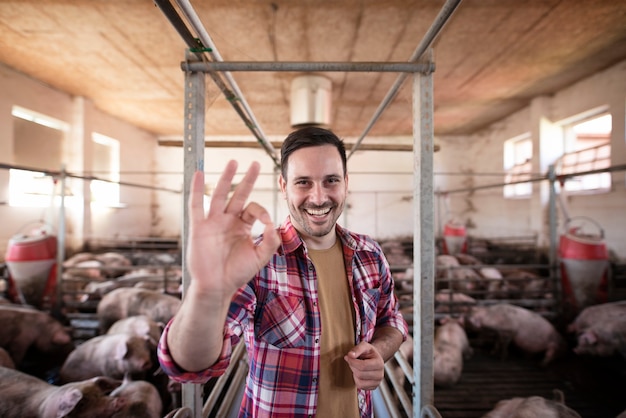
(593, 386)
(107, 265)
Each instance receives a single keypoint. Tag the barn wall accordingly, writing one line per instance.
(137, 150)
(479, 159)
(379, 201)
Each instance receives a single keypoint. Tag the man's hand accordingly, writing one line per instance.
(221, 253)
(368, 367)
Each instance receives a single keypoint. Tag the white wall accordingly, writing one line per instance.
(137, 148)
(488, 214)
(379, 184)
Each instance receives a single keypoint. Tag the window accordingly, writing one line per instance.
(587, 148)
(518, 154)
(32, 131)
(106, 166)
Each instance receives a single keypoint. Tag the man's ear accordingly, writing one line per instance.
(282, 184)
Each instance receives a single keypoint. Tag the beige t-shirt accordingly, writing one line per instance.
(337, 392)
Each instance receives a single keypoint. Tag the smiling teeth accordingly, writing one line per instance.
(318, 212)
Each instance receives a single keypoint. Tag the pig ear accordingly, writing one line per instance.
(121, 350)
(106, 384)
(67, 401)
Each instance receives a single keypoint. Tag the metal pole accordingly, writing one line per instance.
(555, 271)
(195, 22)
(363, 66)
(441, 19)
(60, 244)
(193, 160)
(424, 245)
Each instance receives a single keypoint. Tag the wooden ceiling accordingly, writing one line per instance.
(492, 57)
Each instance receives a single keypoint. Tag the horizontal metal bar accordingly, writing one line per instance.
(277, 144)
(559, 177)
(60, 174)
(397, 67)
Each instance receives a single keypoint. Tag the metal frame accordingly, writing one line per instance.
(423, 147)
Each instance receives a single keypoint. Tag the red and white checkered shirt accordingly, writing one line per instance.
(277, 314)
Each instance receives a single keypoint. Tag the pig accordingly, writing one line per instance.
(601, 330)
(528, 330)
(457, 278)
(142, 399)
(25, 328)
(26, 396)
(6, 360)
(139, 325)
(496, 287)
(451, 346)
(447, 301)
(95, 290)
(114, 264)
(533, 406)
(124, 302)
(467, 259)
(112, 355)
(525, 283)
(597, 313)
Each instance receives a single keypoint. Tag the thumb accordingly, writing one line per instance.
(359, 351)
(270, 241)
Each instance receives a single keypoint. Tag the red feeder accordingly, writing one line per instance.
(31, 259)
(454, 238)
(584, 264)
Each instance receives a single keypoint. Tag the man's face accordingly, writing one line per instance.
(315, 190)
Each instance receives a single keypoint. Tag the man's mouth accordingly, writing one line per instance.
(317, 212)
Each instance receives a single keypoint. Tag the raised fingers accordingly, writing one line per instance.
(242, 191)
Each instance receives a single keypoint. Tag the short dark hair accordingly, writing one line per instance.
(310, 136)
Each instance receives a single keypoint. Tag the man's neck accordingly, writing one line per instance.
(320, 243)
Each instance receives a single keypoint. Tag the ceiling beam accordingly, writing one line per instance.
(277, 144)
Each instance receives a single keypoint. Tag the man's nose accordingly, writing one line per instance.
(317, 195)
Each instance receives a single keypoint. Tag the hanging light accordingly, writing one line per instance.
(311, 101)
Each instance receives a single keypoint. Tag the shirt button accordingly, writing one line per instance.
(317, 340)
(315, 380)
(310, 267)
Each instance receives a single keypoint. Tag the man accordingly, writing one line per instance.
(313, 302)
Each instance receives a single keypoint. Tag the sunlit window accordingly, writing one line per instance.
(106, 166)
(587, 148)
(518, 153)
(38, 142)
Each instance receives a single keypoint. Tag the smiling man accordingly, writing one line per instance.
(312, 301)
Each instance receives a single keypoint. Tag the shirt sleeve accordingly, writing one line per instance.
(176, 373)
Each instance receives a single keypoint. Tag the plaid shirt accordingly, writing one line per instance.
(278, 316)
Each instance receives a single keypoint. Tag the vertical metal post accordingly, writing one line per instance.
(555, 272)
(60, 243)
(193, 144)
(423, 237)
